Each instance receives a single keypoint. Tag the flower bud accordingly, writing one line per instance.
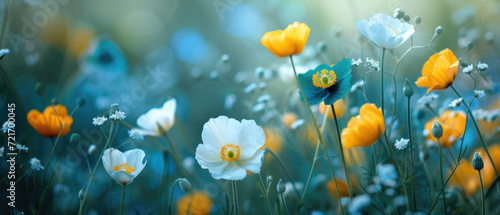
(54, 101)
(321, 46)
(75, 139)
(406, 18)
(437, 130)
(281, 188)
(408, 89)
(114, 108)
(469, 46)
(269, 180)
(438, 30)
(80, 102)
(477, 162)
(417, 20)
(185, 185)
(80, 194)
(399, 13)
(40, 89)
(92, 149)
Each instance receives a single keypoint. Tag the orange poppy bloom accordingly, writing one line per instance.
(364, 129)
(339, 109)
(198, 203)
(453, 123)
(47, 124)
(290, 41)
(439, 71)
(343, 188)
(273, 140)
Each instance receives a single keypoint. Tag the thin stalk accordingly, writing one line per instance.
(284, 203)
(411, 158)
(174, 155)
(235, 197)
(318, 133)
(342, 152)
(171, 196)
(442, 190)
(441, 173)
(482, 192)
(265, 194)
(287, 173)
(382, 79)
(123, 199)
(477, 129)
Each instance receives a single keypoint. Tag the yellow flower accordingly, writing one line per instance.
(453, 123)
(343, 188)
(198, 203)
(354, 156)
(290, 41)
(364, 129)
(47, 124)
(288, 119)
(339, 109)
(439, 71)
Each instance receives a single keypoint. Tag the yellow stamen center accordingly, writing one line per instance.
(324, 79)
(230, 152)
(394, 30)
(125, 167)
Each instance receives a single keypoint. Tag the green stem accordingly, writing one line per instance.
(284, 203)
(477, 129)
(411, 158)
(482, 192)
(265, 194)
(235, 197)
(287, 173)
(171, 196)
(123, 199)
(341, 148)
(382, 79)
(174, 155)
(442, 179)
(318, 133)
(442, 189)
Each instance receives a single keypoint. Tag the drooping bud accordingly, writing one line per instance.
(54, 101)
(75, 139)
(437, 130)
(185, 185)
(408, 89)
(40, 89)
(477, 162)
(438, 30)
(280, 187)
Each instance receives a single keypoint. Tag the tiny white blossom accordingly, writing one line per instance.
(468, 69)
(98, 121)
(5, 126)
(92, 149)
(21, 147)
(118, 115)
(492, 115)
(36, 164)
(372, 64)
(356, 62)
(2, 150)
(456, 102)
(3, 52)
(482, 66)
(427, 99)
(358, 85)
(135, 134)
(401, 144)
(479, 93)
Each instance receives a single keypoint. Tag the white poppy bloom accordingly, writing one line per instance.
(385, 31)
(123, 167)
(230, 148)
(158, 120)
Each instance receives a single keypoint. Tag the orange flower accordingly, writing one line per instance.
(288, 119)
(453, 123)
(354, 156)
(198, 203)
(339, 109)
(439, 71)
(364, 129)
(343, 188)
(273, 140)
(290, 41)
(47, 124)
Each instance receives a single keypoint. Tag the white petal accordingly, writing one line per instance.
(134, 159)
(219, 132)
(207, 158)
(111, 158)
(362, 26)
(148, 122)
(250, 138)
(121, 177)
(230, 171)
(253, 163)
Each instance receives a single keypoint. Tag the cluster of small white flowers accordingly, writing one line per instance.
(372, 64)
(456, 102)
(358, 85)
(479, 93)
(482, 66)
(21, 147)
(98, 121)
(36, 164)
(487, 115)
(135, 134)
(401, 144)
(427, 99)
(356, 62)
(468, 69)
(118, 115)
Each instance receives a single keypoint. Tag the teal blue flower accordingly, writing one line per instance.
(326, 83)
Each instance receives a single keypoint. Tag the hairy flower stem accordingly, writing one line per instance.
(320, 139)
(123, 198)
(342, 151)
(477, 129)
(442, 179)
(482, 192)
(411, 158)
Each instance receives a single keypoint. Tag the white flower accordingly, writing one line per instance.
(372, 64)
(456, 102)
(482, 66)
(21, 147)
(118, 115)
(479, 93)
(135, 134)
(5, 126)
(401, 144)
(3, 52)
(468, 69)
(123, 167)
(356, 62)
(98, 121)
(385, 31)
(36, 164)
(387, 174)
(230, 148)
(426, 100)
(157, 121)
(2, 150)
(358, 203)
(358, 85)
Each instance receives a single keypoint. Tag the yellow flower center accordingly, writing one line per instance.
(230, 152)
(324, 79)
(125, 167)
(394, 30)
